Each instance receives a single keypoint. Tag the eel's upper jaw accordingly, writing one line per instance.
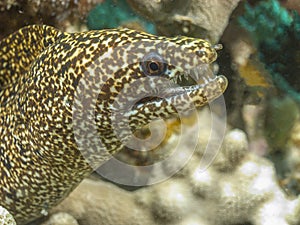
(201, 74)
(200, 93)
(200, 78)
(196, 87)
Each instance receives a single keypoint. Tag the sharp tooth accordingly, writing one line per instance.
(186, 76)
(196, 74)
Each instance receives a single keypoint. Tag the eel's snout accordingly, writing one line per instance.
(202, 74)
(223, 82)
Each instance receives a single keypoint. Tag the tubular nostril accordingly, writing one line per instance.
(218, 47)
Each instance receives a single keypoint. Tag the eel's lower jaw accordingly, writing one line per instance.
(197, 94)
(199, 85)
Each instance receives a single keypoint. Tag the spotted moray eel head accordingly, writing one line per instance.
(143, 73)
(120, 77)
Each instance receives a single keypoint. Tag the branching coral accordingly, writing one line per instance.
(238, 188)
(15, 14)
(276, 33)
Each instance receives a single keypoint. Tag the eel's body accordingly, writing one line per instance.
(67, 100)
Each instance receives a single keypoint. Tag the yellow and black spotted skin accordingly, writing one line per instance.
(48, 80)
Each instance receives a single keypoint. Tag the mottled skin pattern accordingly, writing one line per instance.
(51, 81)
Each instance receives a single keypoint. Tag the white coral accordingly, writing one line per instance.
(239, 187)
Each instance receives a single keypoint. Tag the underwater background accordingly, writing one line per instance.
(255, 177)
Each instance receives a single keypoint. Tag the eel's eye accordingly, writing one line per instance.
(153, 64)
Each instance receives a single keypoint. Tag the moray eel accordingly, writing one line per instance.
(64, 95)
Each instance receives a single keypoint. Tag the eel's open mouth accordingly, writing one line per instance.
(198, 75)
(199, 86)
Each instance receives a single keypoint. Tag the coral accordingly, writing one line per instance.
(239, 187)
(6, 218)
(268, 15)
(7, 4)
(291, 4)
(115, 13)
(18, 13)
(279, 53)
(280, 117)
(253, 75)
(61, 218)
(279, 139)
(276, 34)
(198, 18)
(100, 203)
